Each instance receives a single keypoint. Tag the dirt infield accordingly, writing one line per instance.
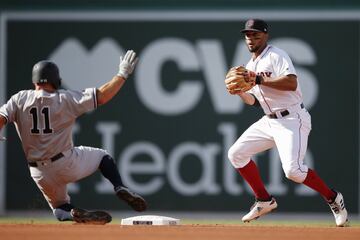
(184, 232)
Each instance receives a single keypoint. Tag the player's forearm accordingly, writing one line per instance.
(2, 121)
(247, 98)
(284, 83)
(107, 91)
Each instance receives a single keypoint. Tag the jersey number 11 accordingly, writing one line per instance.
(46, 119)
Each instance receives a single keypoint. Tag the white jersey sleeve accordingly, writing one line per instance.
(282, 63)
(9, 109)
(79, 102)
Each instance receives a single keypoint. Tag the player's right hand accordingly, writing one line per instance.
(127, 64)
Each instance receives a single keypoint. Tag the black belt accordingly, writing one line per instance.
(283, 113)
(53, 159)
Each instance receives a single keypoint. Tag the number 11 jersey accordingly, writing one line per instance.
(44, 120)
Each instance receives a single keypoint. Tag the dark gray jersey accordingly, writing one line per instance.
(44, 121)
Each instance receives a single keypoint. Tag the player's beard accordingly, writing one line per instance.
(257, 49)
(253, 48)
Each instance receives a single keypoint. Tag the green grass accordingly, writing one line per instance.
(20, 220)
(295, 223)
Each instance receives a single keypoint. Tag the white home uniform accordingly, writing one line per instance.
(44, 123)
(286, 123)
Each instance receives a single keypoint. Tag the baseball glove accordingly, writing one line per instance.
(239, 79)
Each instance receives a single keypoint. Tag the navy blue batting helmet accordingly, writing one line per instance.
(46, 72)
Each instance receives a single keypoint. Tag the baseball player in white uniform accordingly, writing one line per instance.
(44, 118)
(285, 125)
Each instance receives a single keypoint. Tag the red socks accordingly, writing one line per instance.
(251, 175)
(314, 182)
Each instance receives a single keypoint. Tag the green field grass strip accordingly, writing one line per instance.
(269, 223)
(295, 223)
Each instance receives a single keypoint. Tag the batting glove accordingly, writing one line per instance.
(127, 64)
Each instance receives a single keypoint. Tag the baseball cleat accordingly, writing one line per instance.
(133, 199)
(338, 209)
(90, 217)
(260, 208)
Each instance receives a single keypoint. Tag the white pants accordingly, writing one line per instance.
(53, 177)
(289, 134)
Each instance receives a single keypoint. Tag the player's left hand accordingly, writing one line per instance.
(127, 64)
(239, 80)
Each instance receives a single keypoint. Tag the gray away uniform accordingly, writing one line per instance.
(44, 123)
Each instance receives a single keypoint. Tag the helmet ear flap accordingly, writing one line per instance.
(59, 85)
(46, 72)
